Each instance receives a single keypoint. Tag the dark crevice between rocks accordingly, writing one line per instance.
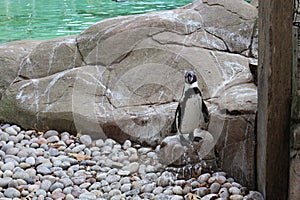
(125, 55)
(185, 45)
(20, 78)
(221, 5)
(253, 70)
(203, 47)
(148, 104)
(176, 32)
(79, 52)
(227, 48)
(255, 152)
(24, 77)
(254, 29)
(239, 112)
(110, 102)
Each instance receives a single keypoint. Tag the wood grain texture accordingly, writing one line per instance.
(274, 97)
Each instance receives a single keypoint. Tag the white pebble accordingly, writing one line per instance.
(30, 160)
(234, 190)
(148, 188)
(177, 197)
(11, 193)
(114, 192)
(209, 197)
(17, 128)
(203, 177)
(126, 187)
(123, 172)
(177, 190)
(11, 131)
(236, 197)
(126, 144)
(86, 140)
(132, 167)
(144, 150)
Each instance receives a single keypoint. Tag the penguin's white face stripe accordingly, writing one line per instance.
(194, 85)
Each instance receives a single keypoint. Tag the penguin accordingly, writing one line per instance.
(191, 112)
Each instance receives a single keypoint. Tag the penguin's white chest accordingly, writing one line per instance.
(192, 114)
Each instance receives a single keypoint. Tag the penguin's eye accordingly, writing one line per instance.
(197, 139)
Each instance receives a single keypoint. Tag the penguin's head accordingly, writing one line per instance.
(190, 77)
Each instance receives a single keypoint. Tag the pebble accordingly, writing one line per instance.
(114, 192)
(254, 195)
(52, 139)
(177, 197)
(223, 193)
(195, 184)
(87, 196)
(167, 178)
(214, 188)
(234, 190)
(209, 197)
(236, 197)
(177, 190)
(78, 148)
(5, 181)
(113, 178)
(40, 192)
(12, 151)
(201, 191)
(50, 133)
(132, 167)
(11, 131)
(221, 179)
(12, 192)
(127, 144)
(4, 136)
(158, 190)
(69, 197)
(55, 165)
(30, 160)
(203, 178)
(86, 140)
(148, 188)
(126, 187)
(46, 184)
(43, 170)
(8, 166)
(123, 172)
(20, 175)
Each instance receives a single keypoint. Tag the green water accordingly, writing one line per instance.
(45, 19)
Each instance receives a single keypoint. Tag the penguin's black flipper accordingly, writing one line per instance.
(205, 112)
(174, 126)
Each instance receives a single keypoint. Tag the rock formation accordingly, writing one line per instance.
(121, 78)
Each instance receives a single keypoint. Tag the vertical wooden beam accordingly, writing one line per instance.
(274, 97)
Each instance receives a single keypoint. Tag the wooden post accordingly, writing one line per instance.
(274, 97)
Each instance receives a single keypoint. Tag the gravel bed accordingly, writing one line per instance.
(52, 165)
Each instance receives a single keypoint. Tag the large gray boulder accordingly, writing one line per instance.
(121, 78)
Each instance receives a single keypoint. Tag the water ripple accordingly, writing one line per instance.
(31, 19)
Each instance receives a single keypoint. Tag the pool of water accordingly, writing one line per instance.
(45, 19)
